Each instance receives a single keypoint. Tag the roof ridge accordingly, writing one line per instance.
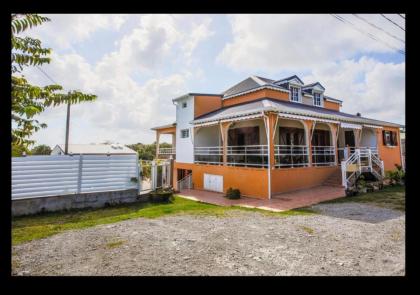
(258, 80)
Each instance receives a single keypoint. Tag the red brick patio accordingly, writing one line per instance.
(280, 202)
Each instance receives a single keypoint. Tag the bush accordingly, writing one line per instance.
(351, 192)
(361, 184)
(396, 176)
(233, 194)
(161, 195)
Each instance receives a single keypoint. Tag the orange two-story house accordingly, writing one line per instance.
(268, 136)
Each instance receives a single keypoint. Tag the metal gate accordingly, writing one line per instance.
(154, 174)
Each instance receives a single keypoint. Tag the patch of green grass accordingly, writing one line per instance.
(114, 244)
(29, 228)
(308, 229)
(391, 197)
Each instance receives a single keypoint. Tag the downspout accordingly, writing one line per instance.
(267, 124)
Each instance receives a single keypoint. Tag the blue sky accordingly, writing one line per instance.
(137, 64)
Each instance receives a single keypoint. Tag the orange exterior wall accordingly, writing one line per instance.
(390, 155)
(252, 182)
(256, 95)
(290, 179)
(204, 104)
(332, 105)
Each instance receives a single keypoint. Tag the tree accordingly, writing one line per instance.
(147, 151)
(31, 100)
(41, 150)
(18, 150)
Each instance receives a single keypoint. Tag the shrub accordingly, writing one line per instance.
(396, 176)
(161, 195)
(361, 184)
(233, 194)
(350, 192)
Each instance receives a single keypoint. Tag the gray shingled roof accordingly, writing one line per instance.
(256, 81)
(244, 85)
(267, 104)
(312, 85)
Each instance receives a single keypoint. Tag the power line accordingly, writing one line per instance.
(401, 16)
(46, 75)
(66, 145)
(368, 34)
(393, 22)
(379, 28)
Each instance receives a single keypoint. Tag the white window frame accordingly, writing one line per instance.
(299, 95)
(184, 105)
(187, 132)
(320, 99)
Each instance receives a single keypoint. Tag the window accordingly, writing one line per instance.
(185, 133)
(317, 99)
(389, 138)
(184, 105)
(294, 94)
(244, 136)
(321, 138)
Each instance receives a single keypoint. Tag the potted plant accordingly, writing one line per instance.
(161, 195)
(233, 194)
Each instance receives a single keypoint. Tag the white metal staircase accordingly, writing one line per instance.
(185, 183)
(361, 160)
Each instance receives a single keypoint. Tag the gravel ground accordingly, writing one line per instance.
(344, 239)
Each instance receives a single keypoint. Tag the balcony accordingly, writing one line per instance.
(323, 156)
(247, 155)
(208, 155)
(244, 155)
(290, 156)
(166, 153)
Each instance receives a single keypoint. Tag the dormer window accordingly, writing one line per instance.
(317, 99)
(294, 94)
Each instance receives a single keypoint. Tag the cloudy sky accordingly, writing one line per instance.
(137, 64)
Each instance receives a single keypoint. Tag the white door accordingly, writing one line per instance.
(213, 182)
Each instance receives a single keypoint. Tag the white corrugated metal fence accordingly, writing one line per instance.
(40, 176)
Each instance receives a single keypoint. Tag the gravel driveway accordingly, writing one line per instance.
(344, 239)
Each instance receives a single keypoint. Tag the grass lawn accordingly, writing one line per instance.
(28, 228)
(392, 197)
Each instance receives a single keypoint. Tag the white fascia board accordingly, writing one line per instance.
(294, 81)
(372, 126)
(180, 97)
(249, 117)
(350, 126)
(256, 89)
(205, 124)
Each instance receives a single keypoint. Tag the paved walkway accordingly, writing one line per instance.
(280, 202)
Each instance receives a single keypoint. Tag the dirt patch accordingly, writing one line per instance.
(244, 243)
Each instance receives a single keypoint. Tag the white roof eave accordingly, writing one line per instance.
(309, 116)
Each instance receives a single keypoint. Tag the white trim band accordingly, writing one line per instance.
(372, 126)
(351, 126)
(290, 116)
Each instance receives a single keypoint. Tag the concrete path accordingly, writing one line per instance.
(280, 202)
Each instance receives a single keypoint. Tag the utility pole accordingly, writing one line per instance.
(66, 148)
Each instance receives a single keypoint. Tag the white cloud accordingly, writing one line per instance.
(296, 42)
(373, 88)
(66, 29)
(124, 111)
(157, 40)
